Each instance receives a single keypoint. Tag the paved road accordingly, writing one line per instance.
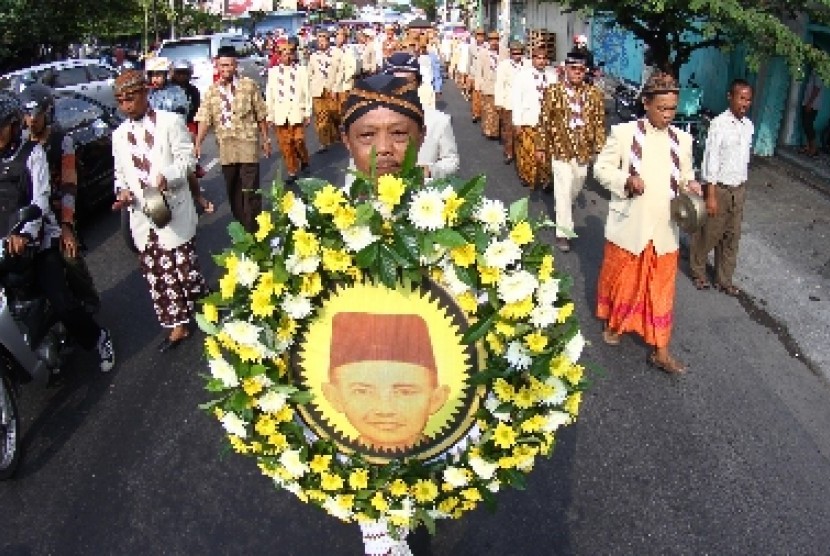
(730, 459)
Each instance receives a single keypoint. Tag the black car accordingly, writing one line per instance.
(90, 124)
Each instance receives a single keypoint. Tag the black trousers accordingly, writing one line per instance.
(51, 279)
(808, 121)
(242, 183)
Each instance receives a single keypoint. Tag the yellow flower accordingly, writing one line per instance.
(398, 520)
(424, 491)
(218, 412)
(287, 202)
(447, 505)
(574, 374)
(251, 386)
(345, 501)
(495, 343)
(287, 328)
(354, 273)
(507, 462)
(398, 488)
(522, 233)
(546, 268)
(261, 305)
(311, 285)
(212, 348)
(390, 190)
(468, 302)
(285, 414)
(534, 424)
(524, 398)
(471, 494)
(571, 404)
(317, 495)
(238, 444)
(336, 260)
(359, 479)
(305, 243)
(210, 312)
(451, 205)
(559, 366)
(517, 310)
(465, 255)
(505, 329)
(436, 274)
(504, 436)
(320, 463)
(264, 225)
(266, 426)
(248, 353)
(231, 263)
(503, 390)
(345, 216)
(489, 275)
(564, 312)
(328, 199)
(536, 342)
(227, 285)
(379, 502)
(278, 441)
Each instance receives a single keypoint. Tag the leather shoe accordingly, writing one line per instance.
(563, 244)
(168, 345)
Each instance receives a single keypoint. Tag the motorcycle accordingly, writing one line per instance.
(693, 118)
(627, 104)
(33, 344)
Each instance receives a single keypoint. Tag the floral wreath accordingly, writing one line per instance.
(482, 252)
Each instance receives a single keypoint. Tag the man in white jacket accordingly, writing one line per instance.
(506, 73)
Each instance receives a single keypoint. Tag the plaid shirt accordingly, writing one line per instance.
(248, 110)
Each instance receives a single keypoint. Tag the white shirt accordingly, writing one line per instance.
(728, 146)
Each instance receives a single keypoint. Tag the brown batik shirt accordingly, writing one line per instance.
(556, 136)
(238, 137)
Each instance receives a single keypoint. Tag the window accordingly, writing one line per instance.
(100, 73)
(187, 50)
(69, 77)
(72, 112)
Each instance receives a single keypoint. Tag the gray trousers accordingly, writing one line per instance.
(721, 233)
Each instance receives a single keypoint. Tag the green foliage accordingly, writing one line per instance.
(673, 29)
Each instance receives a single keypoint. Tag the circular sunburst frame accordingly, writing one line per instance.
(497, 315)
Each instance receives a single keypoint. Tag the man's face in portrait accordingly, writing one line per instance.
(388, 402)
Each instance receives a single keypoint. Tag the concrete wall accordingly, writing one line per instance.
(548, 16)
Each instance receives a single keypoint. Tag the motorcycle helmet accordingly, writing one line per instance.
(581, 40)
(157, 65)
(11, 109)
(183, 65)
(39, 99)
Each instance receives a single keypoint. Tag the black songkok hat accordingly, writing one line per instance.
(401, 62)
(388, 91)
(575, 58)
(226, 51)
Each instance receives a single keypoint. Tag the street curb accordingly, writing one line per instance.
(784, 164)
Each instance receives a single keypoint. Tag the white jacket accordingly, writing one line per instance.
(172, 157)
(506, 73)
(288, 102)
(527, 100)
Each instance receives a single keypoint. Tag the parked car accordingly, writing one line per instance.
(91, 78)
(90, 124)
(201, 50)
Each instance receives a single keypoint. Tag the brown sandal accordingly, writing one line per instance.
(729, 290)
(672, 366)
(610, 337)
(701, 283)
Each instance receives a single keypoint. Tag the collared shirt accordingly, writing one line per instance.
(239, 141)
(728, 147)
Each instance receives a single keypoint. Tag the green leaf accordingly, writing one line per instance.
(205, 326)
(427, 520)
(516, 479)
(310, 186)
(388, 266)
(518, 210)
(364, 213)
(473, 188)
(406, 242)
(366, 257)
(467, 275)
(410, 159)
(302, 397)
(280, 273)
(237, 232)
(448, 238)
(479, 328)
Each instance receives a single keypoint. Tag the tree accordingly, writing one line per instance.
(673, 29)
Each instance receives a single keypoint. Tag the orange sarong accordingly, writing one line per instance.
(636, 292)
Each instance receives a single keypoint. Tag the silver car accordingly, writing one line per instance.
(90, 78)
(201, 51)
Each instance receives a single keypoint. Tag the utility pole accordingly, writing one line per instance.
(156, 21)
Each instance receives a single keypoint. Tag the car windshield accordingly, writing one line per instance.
(187, 50)
(73, 111)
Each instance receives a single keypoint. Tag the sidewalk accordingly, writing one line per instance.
(815, 170)
(784, 258)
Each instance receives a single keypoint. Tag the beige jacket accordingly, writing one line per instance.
(347, 70)
(369, 58)
(526, 100)
(488, 63)
(172, 157)
(287, 96)
(506, 73)
(476, 56)
(324, 69)
(633, 222)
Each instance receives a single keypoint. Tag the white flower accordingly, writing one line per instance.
(223, 371)
(294, 465)
(518, 355)
(383, 209)
(493, 486)
(547, 292)
(234, 425)
(499, 254)
(492, 214)
(296, 306)
(331, 506)
(492, 404)
(542, 316)
(301, 265)
(247, 271)
(484, 469)
(357, 238)
(556, 419)
(406, 510)
(276, 245)
(297, 214)
(515, 286)
(242, 332)
(452, 281)
(560, 391)
(271, 402)
(426, 211)
(573, 349)
(456, 476)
